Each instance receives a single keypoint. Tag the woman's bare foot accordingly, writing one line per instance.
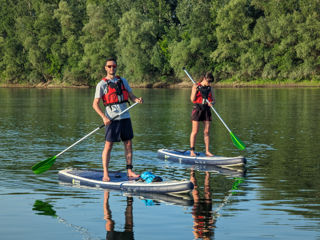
(192, 154)
(106, 178)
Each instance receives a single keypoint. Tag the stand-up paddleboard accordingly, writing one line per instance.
(120, 181)
(184, 157)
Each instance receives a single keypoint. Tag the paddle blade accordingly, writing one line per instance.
(44, 165)
(237, 142)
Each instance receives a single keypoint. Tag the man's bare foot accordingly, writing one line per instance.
(192, 154)
(106, 179)
(209, 154)
(131, 174)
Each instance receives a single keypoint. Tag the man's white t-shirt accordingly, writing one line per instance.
(112, 110)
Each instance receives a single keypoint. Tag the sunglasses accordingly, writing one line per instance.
(110, 66)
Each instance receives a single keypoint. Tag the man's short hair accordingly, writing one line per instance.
(111, 59)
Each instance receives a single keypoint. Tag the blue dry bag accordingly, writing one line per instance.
(148, 177)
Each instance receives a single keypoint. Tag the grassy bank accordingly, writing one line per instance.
(183, 84)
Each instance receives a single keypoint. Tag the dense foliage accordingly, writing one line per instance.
(69, 40)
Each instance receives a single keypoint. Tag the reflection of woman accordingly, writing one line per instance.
(127, 234)
(201, 111)
(203, 221)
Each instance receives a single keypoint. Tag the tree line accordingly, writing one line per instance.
(69, 40)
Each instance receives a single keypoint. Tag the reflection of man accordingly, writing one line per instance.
(127, 234)
(203, 222)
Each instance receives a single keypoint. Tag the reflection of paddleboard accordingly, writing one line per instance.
(224, 170)
(184, 157)
(120, 181)
(178, 199)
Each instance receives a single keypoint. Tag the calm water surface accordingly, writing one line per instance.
(277, 198)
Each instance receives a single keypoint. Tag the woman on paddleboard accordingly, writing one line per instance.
(201, 92)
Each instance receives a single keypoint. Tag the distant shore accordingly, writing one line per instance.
(184, 84)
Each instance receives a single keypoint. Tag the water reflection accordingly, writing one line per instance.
(201, 204)
(203, 221)
(45, 208)
(279, 126)
(227, 171)
(203, 214)
(127, 232)
(149, 199)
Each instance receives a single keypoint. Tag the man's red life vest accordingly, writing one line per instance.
(203, 93)
(115, 92)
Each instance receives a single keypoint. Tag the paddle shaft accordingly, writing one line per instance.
(95, 130)
(209, 102)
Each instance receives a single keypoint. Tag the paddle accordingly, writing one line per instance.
(46, 164)
(236, 141)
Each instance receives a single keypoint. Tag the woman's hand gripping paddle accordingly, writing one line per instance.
(236, 141)
(46, 164)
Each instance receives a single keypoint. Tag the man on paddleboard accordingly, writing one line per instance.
(115, 92)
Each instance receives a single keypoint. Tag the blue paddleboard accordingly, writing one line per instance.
(184, 157)
(120, 181)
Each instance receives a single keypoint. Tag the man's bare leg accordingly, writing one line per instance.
(106, 159)
(128, 155)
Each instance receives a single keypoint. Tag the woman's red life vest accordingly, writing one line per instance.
(203, 93)
(115, 92)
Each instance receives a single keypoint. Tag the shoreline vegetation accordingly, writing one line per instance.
(244, 43)
(182, 84)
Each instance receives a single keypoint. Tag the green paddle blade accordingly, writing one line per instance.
(237, 142)
(44, 165)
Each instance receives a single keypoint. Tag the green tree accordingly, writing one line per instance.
(137, 37)
(12, 56)
(38, 31)
(287, 35)
(233, 55)
(68, 47)
(308, 47)
(161, 14)
(100, 34)
(195, 39)
(69, 40)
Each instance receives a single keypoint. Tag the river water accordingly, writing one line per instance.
(277, 195)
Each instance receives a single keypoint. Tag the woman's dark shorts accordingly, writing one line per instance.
(119, 130)
(201, 112)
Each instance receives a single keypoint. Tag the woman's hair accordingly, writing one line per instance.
(209, 76)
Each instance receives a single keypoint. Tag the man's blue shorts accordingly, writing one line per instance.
(119, 130)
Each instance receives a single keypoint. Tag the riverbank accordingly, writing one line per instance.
(183, 84)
